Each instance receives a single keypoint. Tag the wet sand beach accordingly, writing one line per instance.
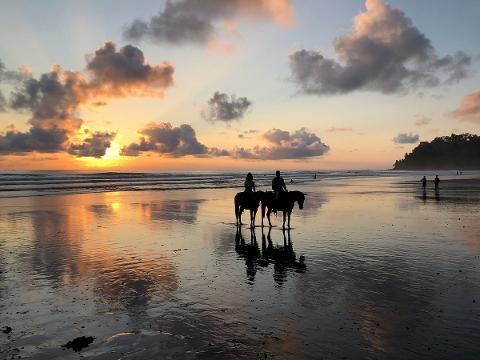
(389, 272)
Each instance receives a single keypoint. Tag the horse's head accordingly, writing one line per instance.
(300, 199)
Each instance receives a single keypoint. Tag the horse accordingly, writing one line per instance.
(285, 203)
(250, 201)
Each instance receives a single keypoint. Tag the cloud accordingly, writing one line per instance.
(163, 138)
(99, 103)
(300, 144)
(53, 100)
(469, 109)
(35, 139)
(195, 21)
(339, 129)
(221, 107)
(125, 72)
(404, 138)
(384, 52)
(12, 77)
(423, 121)
(94, 145)
(3, 102)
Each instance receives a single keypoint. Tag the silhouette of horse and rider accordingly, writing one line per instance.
(280, 199)
(282, 257)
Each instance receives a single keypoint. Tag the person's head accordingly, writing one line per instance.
(277, 173)
(249, 176)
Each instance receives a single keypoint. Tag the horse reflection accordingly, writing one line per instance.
(283, 257)
(249, 251)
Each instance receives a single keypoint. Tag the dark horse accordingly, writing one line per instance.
(249, 201)
(285, 203)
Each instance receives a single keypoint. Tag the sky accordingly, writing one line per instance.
(233, 84)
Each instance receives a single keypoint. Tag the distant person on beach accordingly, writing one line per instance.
(291, 181)
(249, 183)
(424, 182)
(278, 185)
(314, 176)
(437, 182)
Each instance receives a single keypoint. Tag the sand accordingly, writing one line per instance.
(390, 273)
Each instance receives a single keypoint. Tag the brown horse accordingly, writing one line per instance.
(249, 201)
(285, 203)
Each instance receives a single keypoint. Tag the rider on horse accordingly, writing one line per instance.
(249, 187)
(249, 183)
(278, 186)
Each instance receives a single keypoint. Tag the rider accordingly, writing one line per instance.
(249, 184)
(278, 185)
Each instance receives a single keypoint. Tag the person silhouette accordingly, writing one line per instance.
(424, 182)
(278, 185)
(437, 182)
(249, 183)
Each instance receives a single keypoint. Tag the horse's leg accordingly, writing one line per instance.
(269, 211)
(240, 211)
(284, 217)
(289, 213)
(263, 213)
(236, 211)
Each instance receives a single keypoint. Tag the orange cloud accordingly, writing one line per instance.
(469, 109)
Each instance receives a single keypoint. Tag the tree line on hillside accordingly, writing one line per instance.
(454, 152)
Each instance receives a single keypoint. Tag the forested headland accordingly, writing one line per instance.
(454, 152)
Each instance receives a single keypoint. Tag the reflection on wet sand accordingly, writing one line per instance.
(65, 251)
(283, 257)
(164, 274)
(175, 210)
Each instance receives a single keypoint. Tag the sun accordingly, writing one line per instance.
(112, 153)
(111, 158)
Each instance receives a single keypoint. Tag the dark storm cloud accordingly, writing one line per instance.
(94, 145)
(384, 52)
(222, 107)
(163, 138)
(54, 98)
(285, 145)
(193, 21)
(404, 138)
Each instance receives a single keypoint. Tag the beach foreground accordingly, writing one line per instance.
(389, 272)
